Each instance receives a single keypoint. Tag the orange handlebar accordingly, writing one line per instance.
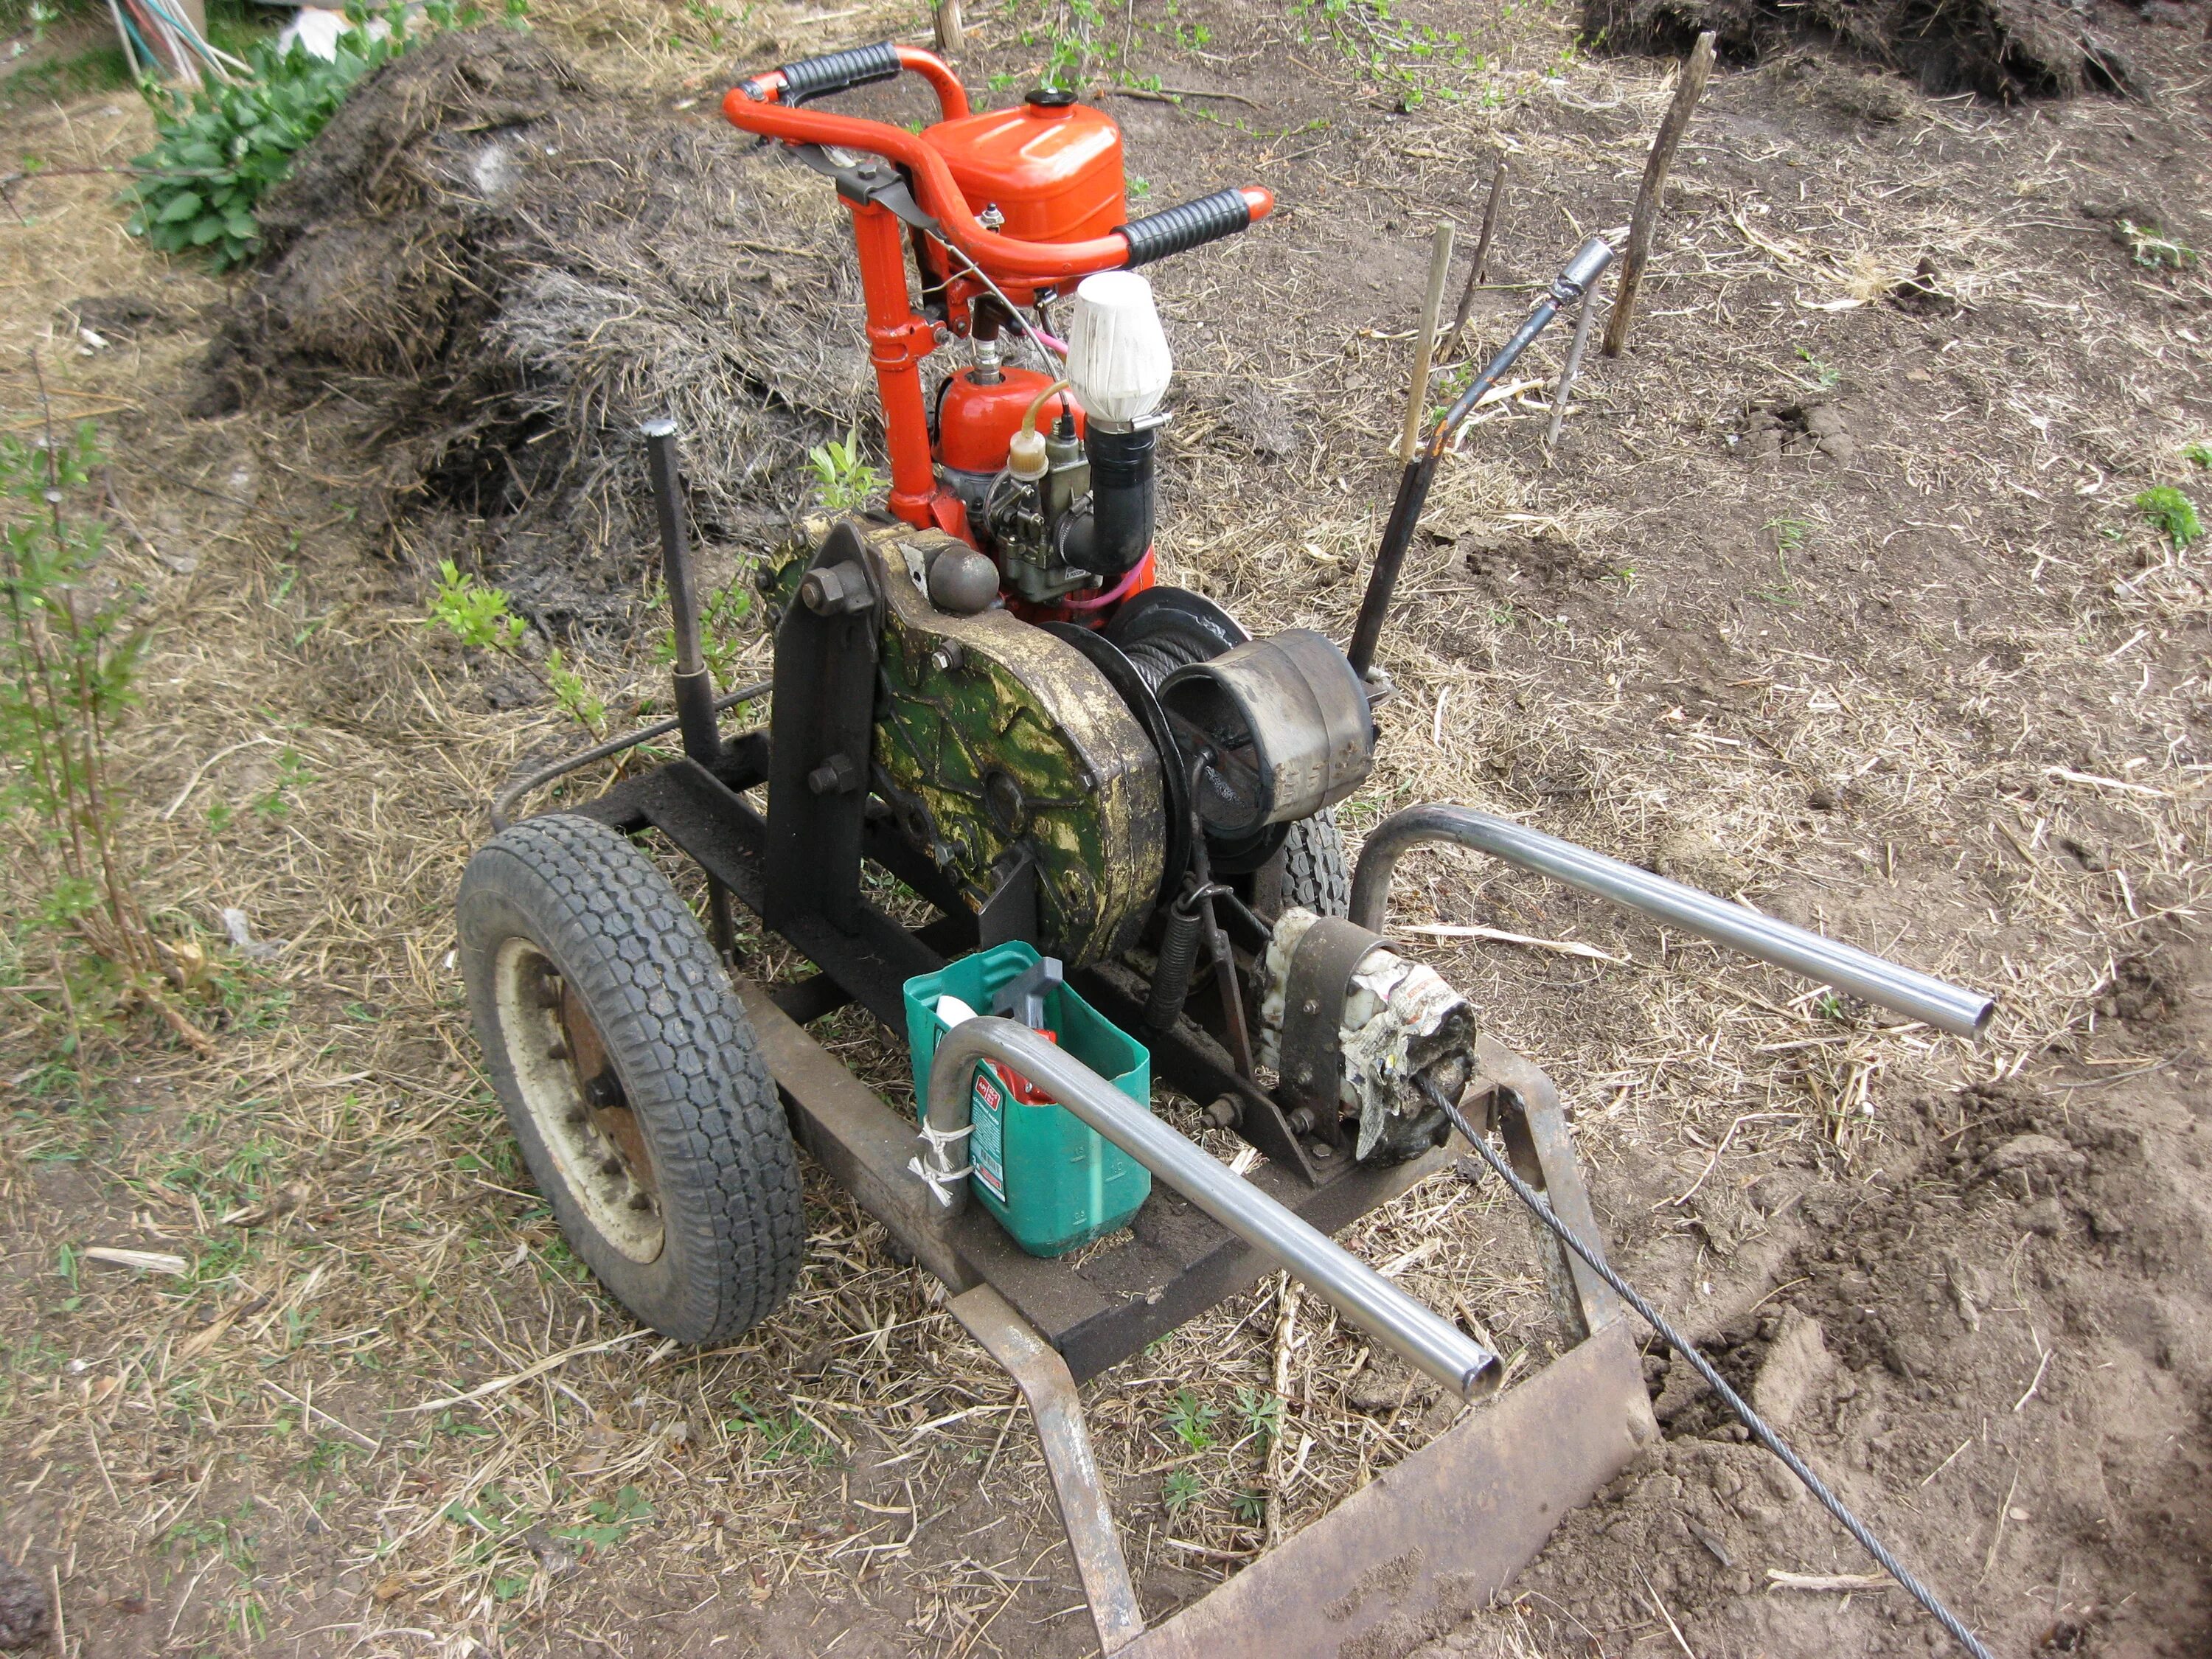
(753, 105)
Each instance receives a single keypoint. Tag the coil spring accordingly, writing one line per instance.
(1171, 976)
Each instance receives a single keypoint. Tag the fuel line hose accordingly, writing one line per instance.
(1760, 1432)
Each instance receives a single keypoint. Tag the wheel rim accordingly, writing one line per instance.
(568, 1086)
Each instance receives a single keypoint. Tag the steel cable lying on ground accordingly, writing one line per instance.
(1735, 1402)
(503, 802)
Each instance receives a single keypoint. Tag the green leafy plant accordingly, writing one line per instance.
(482, 618)
(844, 481)
(1180, 1488)
(1822, 373)
(1192, 1421)
(218, 151)
(612, 1518)
(68, 662)
(1261, 1413)
(2170, 511)
(2149, 246)
(2199, 454)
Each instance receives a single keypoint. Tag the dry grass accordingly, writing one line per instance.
(256, 1450)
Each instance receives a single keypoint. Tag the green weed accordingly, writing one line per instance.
(482, 618)
(2167, 510)
(1180, 1488)
(1192, 1421)
(843, 480)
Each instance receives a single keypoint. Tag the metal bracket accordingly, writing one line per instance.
(1057, 1410)
(1313, 993)
(821, 725)
(1010, 912)
(872, 178)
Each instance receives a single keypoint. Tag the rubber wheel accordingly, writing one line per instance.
(1315, 874)
(631, 1077)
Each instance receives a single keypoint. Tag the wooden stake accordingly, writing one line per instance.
(1569, 370)
(950, 36)
(1481, 256)
(1432, 312)
(1687, 93)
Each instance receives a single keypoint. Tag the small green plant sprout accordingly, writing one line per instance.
(1261, 1413)
(1181, 1489)
(844, 481)
(1822, 373)
(476, 615)
(2149, 246)
(2169, 510)
(1249, 1506)
(2199, 454)
(69, 664)
(612, 1518)
(1192, 1421)
(482, 618)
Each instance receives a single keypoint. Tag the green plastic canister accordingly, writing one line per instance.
(1053, 1183)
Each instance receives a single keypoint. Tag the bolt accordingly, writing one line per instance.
(1310, 1007)
(832, 590)
(641, 1202)
(611, 1165)
(947, 658)
(577, 1117)
(1301, 1120)
(835, 776)
(1321, 1151)
(558, 1051)
(1225, 1113)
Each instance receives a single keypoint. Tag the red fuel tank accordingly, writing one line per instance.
(976, 422)
(1053, 166)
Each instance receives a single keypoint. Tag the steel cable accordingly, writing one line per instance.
(503, 802)
(1735, 1402)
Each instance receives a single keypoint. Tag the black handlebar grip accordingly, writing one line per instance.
(1179, 229)
(838, 71)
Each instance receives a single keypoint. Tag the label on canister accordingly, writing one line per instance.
(987, 1144)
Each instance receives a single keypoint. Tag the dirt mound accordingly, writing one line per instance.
(503, 268)
(2008, 49)
(1996, 1352)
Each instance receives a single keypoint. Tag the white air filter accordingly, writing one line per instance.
(1117, 354)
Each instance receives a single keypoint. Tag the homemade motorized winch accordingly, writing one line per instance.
(1110, 804)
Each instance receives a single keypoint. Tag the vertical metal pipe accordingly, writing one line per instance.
(694, 687)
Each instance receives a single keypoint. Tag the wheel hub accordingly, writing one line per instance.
(575, 1100)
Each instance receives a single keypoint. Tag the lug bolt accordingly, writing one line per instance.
(610, 1166)
(641, 1202)
(835, 776)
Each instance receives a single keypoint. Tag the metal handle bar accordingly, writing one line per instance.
(1948, 1007)
(1348, 1284)
(752, 106)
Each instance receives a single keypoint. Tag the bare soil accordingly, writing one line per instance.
(1833, 598)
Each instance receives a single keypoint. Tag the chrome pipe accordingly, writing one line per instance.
(1948, 1007)
(1309, 1255)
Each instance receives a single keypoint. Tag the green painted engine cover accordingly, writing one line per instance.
(992, 736)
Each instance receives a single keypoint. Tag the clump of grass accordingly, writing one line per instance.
(2170, 512)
